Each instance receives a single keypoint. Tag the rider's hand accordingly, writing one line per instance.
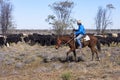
(73, 29)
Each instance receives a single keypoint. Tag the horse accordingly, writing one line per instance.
(88, 40)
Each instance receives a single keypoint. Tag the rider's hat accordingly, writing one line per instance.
(78, 21)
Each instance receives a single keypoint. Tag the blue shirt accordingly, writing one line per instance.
(80, 30)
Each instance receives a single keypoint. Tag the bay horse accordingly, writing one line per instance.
(92, 43)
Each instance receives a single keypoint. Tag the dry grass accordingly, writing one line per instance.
(24, 62)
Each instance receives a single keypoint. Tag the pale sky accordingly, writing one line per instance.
(31, 14)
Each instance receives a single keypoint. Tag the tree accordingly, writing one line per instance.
(62, 20)
(103, 18)
(5, 16)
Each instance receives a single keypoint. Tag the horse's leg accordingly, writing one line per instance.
(74, 52)
(67, 58)
(97, 57)
(92, 50)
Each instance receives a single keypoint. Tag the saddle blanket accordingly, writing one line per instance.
(86, 38)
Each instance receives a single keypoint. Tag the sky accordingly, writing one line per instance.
(31, 14)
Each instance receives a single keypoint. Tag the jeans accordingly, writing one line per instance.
(78, 39)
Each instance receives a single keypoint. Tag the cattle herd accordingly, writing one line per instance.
(48, 40)
(109, 38)
(30, 39)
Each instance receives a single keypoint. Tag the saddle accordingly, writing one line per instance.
(84, 39)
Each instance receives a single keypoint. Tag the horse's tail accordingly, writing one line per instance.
(98, 45)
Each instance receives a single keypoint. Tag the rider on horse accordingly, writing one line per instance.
(79, 33)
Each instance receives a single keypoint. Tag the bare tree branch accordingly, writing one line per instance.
(103, 18)
(5, 16)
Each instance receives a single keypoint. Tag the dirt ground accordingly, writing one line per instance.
(25, 62)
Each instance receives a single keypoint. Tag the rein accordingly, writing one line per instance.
(69, 41)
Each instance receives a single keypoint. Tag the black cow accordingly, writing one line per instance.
(104, 40)
(43, 40)
(2, 41)
(13, 38)
(117, 40)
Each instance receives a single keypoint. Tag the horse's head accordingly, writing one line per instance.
(64, 39)
(58, 43)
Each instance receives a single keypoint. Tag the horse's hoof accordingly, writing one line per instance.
(98, 59)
